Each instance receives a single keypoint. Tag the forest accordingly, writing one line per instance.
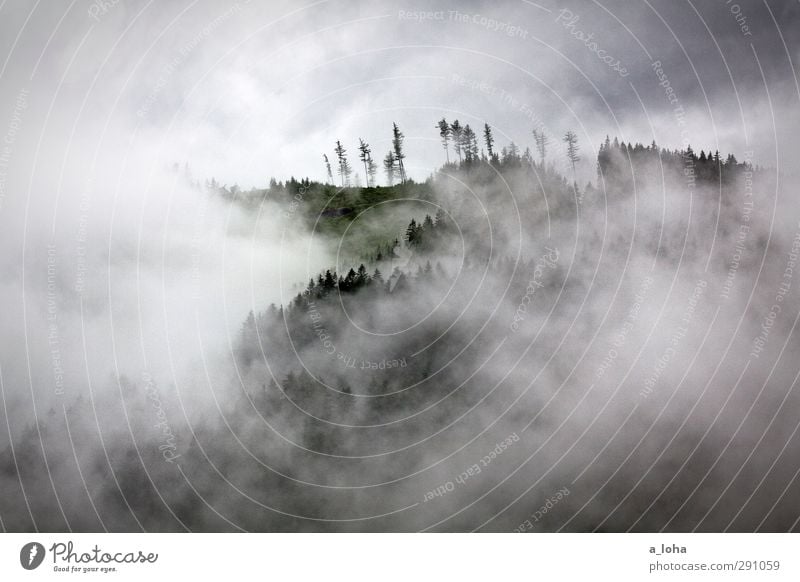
(407, 281)
(452, 299)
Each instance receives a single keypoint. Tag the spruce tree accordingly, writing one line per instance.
(444, 134)
(489, 139)
(399, 156)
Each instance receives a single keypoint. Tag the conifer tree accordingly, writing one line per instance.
(456, 133)
(469, 144)
(572, 151)
(366, 157)
(541, 139)
(489, 139)
(372, 169)
(444, 134)
(327, 168)
(412, 233)
(344, 166)
(399, 156)
(389, 167)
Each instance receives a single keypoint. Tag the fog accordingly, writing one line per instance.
(612, 355)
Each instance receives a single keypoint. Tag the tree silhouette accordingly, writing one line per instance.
(440, 220)
(389, 167)
(399, 156)
(541, 139)
(444, 133)
(489, 139)
(344, 166)
(413, 233)
(372, 169)
(572, 151)
(366, 157)
(455, 131)
(469, 143)
(328, 168)
(527, 157)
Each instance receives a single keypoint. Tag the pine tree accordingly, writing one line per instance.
(439, 220)
(361, 276)
(349, 281)
(366, 157)
(327, 168)
(527, 157)
(399, 156)
(389, 167)
(372, 169)
(330, 280)
(469, 144)
(344, 166)
(412, 233)
(455, 131)
(541, 139)
(444, 134)
(572, 151)
(489, 139)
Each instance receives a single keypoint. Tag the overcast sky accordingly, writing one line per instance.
(245, 91)
(124, 270)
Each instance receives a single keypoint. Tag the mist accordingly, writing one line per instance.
(602, 345)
